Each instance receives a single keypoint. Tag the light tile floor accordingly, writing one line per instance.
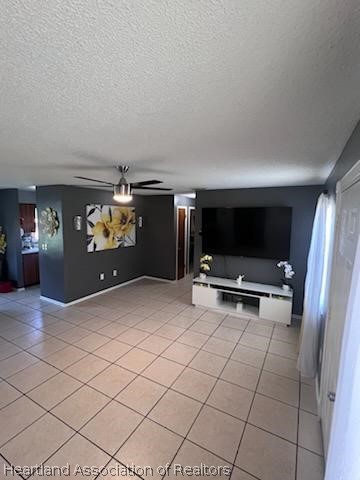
(138, 376)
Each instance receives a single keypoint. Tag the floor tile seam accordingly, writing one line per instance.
(251, 405)
(200, 410)
(167, 388)
(136, 346)
(133, 347)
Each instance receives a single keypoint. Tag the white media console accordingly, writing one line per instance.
(247, 299)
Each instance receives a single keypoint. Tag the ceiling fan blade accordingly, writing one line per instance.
(94, 180)
(150, 188)
(94, 186)
(146, 182)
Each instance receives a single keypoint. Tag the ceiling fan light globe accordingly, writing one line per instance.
(122, 198)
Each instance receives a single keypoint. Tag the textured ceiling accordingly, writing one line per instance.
(198, 93)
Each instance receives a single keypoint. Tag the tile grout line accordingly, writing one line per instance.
(131, 371)
(87, 353)
(86, 383)
(111, 338)
(113, 399)
(167, 388)
(253, 399)
(47, 411)
(159, 355)
(203, 404)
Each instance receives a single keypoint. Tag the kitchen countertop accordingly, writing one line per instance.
(26, 251)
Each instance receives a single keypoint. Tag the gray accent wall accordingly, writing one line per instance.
(349, 156)
(303, 202)
(27, 196)
(51, 250)
(82, 269)
(69, 272)
(10, 221)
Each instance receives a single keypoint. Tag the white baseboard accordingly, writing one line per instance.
(55, 302)
(87, 297)
(157, 279)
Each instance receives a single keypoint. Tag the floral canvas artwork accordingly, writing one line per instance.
(109, 227)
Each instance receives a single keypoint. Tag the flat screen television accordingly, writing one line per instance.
(262, 232)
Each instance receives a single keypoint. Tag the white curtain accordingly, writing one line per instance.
(316, 286)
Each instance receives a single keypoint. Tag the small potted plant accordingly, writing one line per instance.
(2, 250)
(205, 265)
(288, 273)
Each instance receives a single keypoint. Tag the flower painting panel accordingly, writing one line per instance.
(109, 227)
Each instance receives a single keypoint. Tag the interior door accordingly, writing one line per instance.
(347, 234)
(191, 239)
(181, 244)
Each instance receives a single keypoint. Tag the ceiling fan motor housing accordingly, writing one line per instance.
(123, 188)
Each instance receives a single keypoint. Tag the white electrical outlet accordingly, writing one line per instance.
(114, 273)
(102, 276)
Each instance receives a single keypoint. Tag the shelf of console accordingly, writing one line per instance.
(251, 300)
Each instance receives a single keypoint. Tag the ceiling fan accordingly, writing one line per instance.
(123, 189)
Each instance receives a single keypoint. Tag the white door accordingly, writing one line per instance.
(346, 238)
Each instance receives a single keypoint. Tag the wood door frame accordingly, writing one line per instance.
(185, 239)
(188, 238)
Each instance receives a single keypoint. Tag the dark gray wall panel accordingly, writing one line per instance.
(51, 260)
(27, 196)
(69, 272)
(10, 221)
(82, 269)
(303, 202)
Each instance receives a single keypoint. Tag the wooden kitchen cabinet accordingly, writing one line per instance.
(31, 269)
(27, 213)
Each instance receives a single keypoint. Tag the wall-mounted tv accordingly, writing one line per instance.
(262, 232)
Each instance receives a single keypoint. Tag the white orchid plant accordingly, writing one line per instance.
(205, 263)
(288, 270)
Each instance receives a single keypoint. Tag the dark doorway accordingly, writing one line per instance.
(191, 238)
(29, 243)
(181, 247)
